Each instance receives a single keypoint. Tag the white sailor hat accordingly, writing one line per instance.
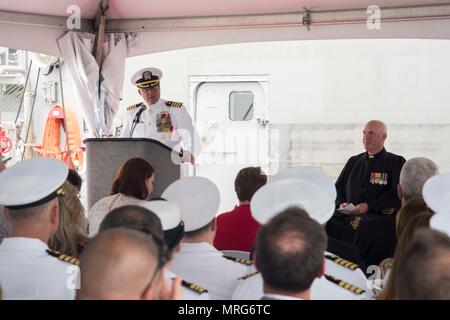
(32, 182)
(436, 193)
(170, 217)
(146, 78)
(309, 174)
(198, 199)
(441, 221)
(279, 195)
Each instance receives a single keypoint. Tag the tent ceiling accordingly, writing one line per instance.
(134, 9)
(173, 24)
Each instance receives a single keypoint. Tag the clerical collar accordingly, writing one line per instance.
(375, 155)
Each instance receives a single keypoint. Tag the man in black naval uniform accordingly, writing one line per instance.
(369, 182)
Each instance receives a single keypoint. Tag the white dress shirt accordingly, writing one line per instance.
(27, 271)
(204, 265)
(275, 296)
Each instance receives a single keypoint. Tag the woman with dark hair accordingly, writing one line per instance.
(132, 185)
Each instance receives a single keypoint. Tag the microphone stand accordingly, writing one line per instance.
(136, 120)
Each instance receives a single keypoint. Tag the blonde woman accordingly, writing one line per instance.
(71, 235)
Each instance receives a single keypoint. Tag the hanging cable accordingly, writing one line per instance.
(64, 113)
(23, 93)
(31, 114)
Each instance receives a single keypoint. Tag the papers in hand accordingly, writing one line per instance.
(348, 209)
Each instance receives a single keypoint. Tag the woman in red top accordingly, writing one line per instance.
(236, 229)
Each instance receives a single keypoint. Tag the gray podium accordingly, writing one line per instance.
(104, 156)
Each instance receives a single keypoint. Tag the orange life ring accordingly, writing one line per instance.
(51, 140)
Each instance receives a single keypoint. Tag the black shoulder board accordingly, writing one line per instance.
(193, 287)
(345, 263)
(239, 260)
(134, 106)
(63, 257)
(248, 275)
(345, 285)
(174, 104)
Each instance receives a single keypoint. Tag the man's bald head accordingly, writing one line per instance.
(374, 135)
(117, 264)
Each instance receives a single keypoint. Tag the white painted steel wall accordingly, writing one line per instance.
(320, 93)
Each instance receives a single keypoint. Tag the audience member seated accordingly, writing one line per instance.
(151, 215)
(71, 236)
(405, 235)
(423, 272)
(290, 255)
(75, 179)
(369, 182)
(336, 247)
(123, 264)
(414, 174)
(198, 261)
(236, 229)
(132, 185)
(28, 269)
(343, 279)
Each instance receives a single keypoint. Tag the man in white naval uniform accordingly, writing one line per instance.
(335, 265)
(28, 269)
(313, 194)
(173, 228)
(158, 119)
(198, 261)
(289, 254)
(143, 217)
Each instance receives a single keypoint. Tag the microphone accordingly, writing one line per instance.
(136, 119)
(138, 114)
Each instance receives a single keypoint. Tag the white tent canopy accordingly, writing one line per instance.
(173, 24)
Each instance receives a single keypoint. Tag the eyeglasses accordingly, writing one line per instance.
(163, 255)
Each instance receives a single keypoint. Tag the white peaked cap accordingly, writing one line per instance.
(277, 196)
(436, 192)
(198, 199)
(139, 74)
(167, 212)
(32, 182)
(308, 174)
(441, 221)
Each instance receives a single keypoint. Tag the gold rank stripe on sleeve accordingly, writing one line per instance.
(239, 260)
(345, 263)
(193, 287)
(64, 257)
(248, 275)
(174, 104)
(134, 106)
(345, 285)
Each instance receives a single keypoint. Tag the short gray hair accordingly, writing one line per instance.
(414, 174)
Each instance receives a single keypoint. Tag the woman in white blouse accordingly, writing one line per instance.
(132, 185)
